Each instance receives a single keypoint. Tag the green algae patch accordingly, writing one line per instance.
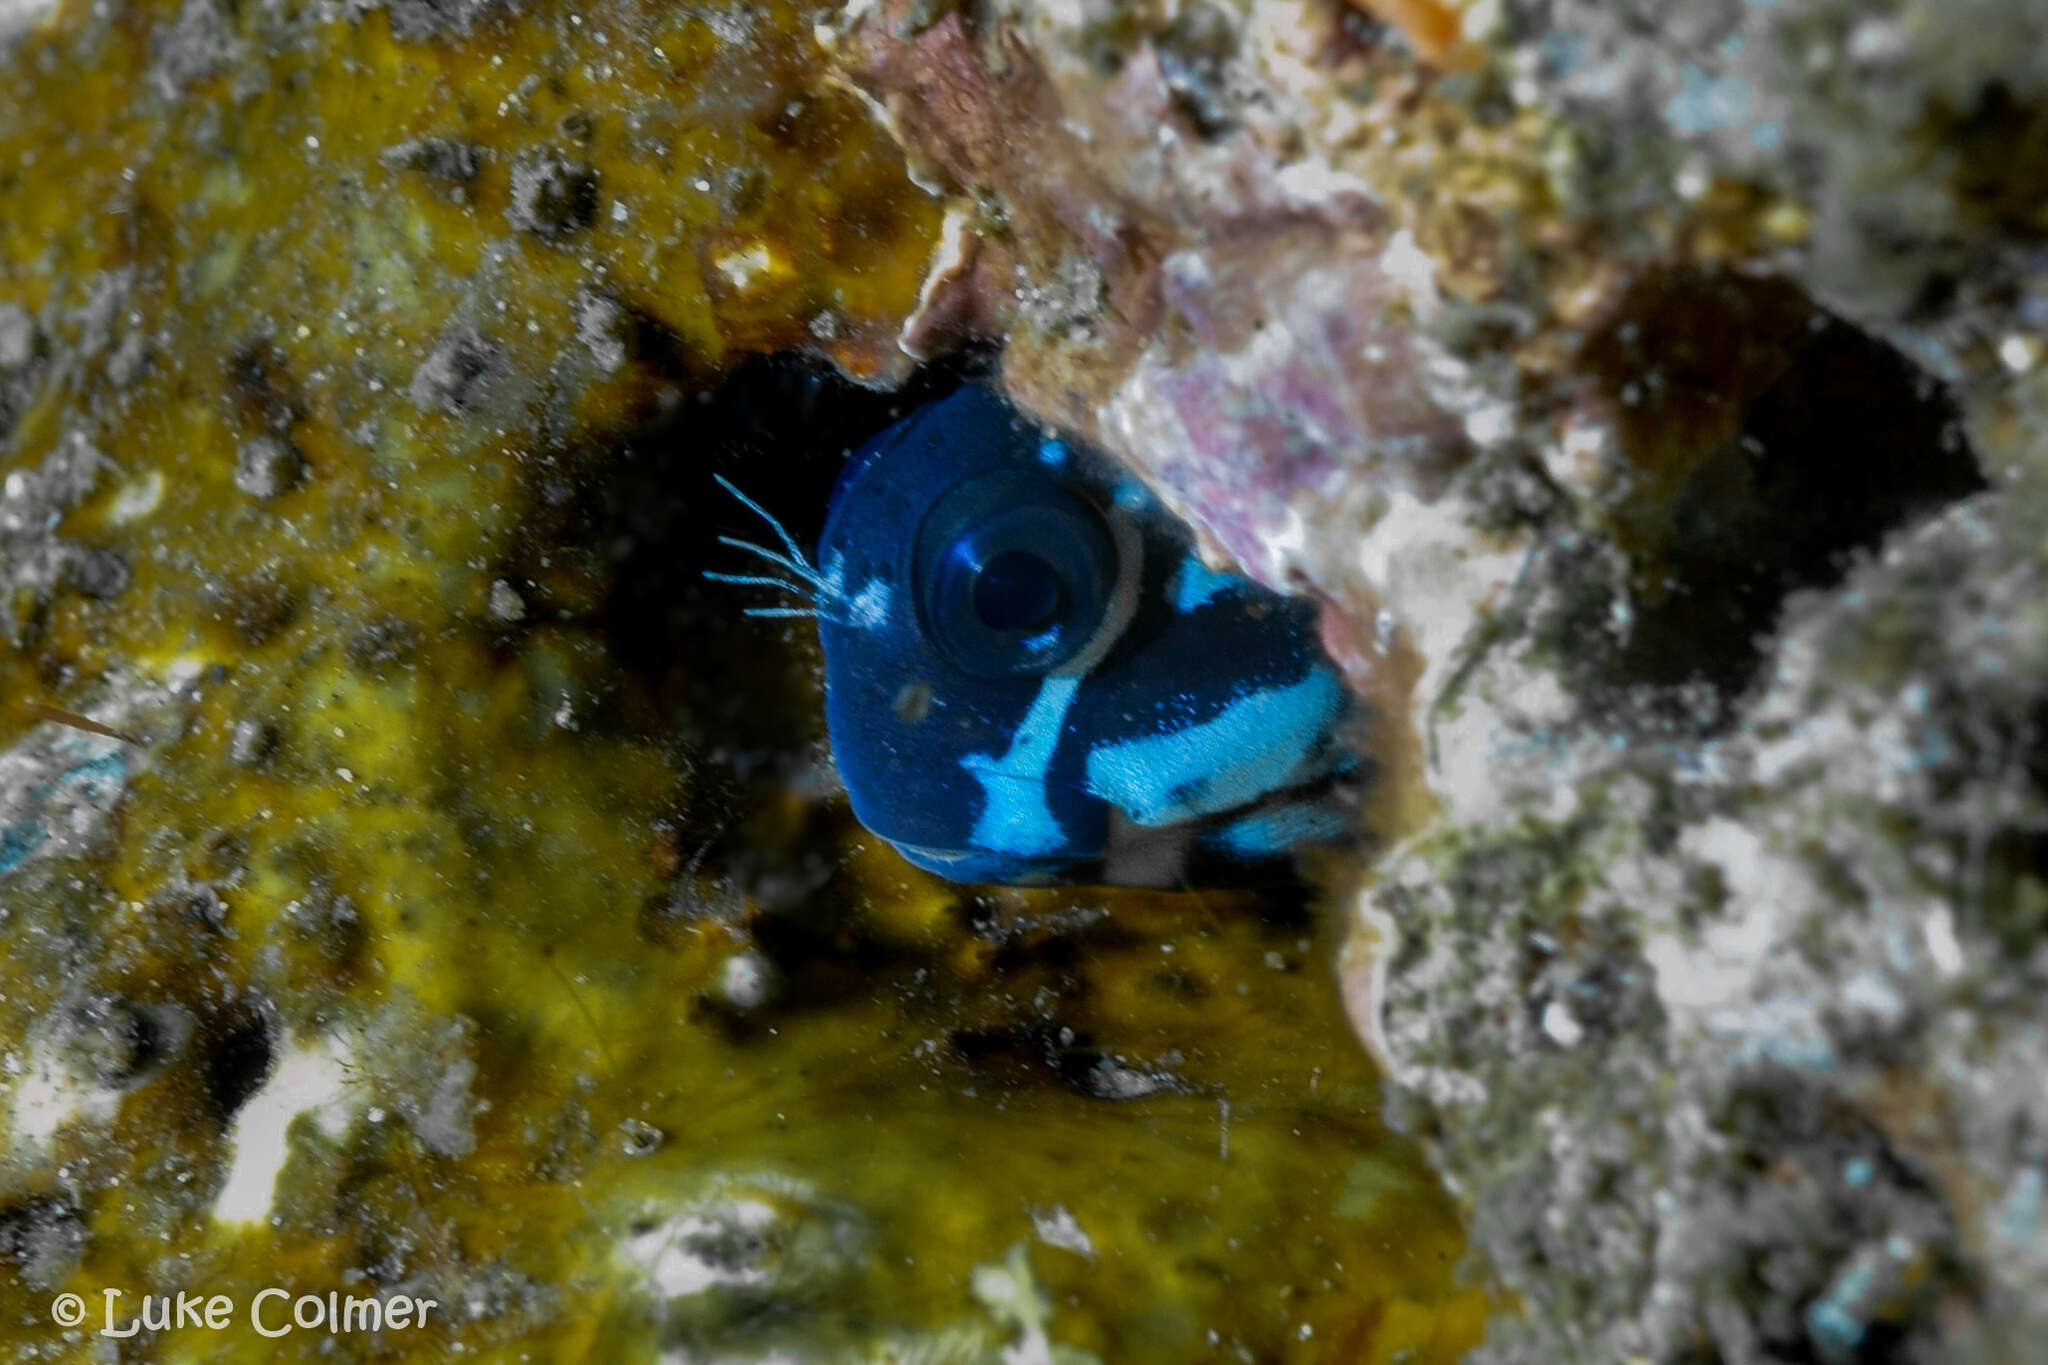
(447, 913)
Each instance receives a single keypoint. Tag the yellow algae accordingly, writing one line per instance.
(637, 1045)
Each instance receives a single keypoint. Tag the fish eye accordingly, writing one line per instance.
(1015, 572)
(1018, 591)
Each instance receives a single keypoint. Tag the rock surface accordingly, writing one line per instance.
(1654, 394)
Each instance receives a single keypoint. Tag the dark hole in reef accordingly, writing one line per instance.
(779, 429)
(740, 698)
(236, 1061)
(2000, 150)
(1767, 442)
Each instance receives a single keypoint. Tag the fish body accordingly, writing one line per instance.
(1031, 676)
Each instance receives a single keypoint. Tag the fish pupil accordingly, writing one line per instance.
(1017, 592)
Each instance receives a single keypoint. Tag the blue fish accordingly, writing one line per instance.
(1030, 676)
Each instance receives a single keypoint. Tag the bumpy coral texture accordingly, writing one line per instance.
(1641, 455)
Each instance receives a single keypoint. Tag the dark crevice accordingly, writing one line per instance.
(738, 695)
(1766, 443)
(237, 1057)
